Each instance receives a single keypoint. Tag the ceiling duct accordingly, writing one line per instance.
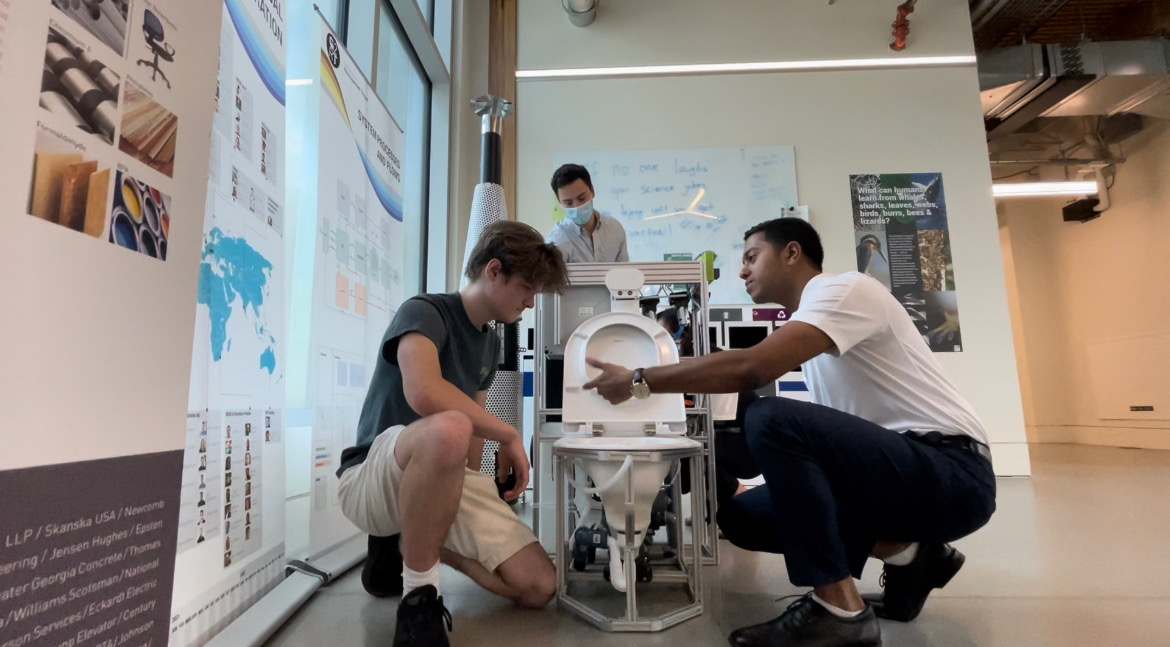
(1021, 84)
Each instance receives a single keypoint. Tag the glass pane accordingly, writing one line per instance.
(404, 90)
(331, 9)
(301, 134)
(441, 28)
(360, 33)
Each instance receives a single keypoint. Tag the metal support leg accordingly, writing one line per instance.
(688, 570)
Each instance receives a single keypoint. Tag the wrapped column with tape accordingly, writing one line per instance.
(488, 206)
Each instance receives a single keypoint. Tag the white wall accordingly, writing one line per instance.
(1079, 283)
(920, 120)
(665, 32)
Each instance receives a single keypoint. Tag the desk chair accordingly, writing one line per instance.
(152, 30)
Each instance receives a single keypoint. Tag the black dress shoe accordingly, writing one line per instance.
(423, 621)
(382, 572)
(808, 624)
(907, 587)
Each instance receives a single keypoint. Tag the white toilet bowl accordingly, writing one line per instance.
(627, 473)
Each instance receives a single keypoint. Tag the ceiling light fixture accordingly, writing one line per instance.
(732, 68)
(1042, 189)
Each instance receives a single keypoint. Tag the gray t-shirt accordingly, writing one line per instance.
(468, 357)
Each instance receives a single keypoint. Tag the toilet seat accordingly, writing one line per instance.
(626, 444)
(628, 340)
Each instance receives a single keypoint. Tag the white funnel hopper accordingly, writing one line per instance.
(615, 478)
(647, 481)
(624, 468)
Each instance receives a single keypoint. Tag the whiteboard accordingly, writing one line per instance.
(740, 187)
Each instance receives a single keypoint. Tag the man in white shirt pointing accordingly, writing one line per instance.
(889, 460)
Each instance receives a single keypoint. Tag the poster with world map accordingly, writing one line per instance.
(234, 281)
(238, 357)
(239, 314)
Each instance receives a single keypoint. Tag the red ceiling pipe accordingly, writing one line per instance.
(902, 25)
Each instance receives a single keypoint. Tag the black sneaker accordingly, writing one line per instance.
(382, 572)
(907, 587)
(806, 623)
(423, 621)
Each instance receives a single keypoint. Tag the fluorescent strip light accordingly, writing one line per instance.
(731, 68)
(292, 82)
(1035, 189)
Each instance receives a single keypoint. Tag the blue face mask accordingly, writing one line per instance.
(677, 335)
(580, 215)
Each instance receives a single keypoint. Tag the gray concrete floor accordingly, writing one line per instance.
(1076, 555)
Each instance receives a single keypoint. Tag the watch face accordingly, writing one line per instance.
(641, 390)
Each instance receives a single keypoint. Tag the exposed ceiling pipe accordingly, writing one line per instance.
(902, 25)
(1104, 202)
(581, 12)
(985, 11)
(1057, 162)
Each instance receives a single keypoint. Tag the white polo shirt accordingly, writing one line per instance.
(881, 369)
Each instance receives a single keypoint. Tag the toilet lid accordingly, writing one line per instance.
(626, 443)
(620, 338)
(628, 340)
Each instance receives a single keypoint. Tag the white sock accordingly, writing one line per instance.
(903, 558)
(837, 611)
(412, 580)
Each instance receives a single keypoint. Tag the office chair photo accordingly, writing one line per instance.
(152, 30)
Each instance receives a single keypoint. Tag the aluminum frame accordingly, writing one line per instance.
(690, 273)
(692, 573)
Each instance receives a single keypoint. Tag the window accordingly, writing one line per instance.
(382, 51)
(374, 35)
(406, 92)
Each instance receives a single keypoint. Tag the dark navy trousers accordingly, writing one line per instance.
(836, 484)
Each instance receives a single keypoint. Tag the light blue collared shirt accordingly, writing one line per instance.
(606, 245)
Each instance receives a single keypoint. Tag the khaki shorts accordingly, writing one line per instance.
(485, 528)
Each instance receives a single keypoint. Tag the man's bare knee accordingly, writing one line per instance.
(449, 438)
(536, 591)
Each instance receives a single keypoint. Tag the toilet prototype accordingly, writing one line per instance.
(626, 450)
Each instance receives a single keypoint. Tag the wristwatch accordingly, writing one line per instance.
(639, 389)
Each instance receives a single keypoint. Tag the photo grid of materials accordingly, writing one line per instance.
(149, 131)
(140, 218)
(106, 143)
(105, 19)
(70, 187)
(78, 86)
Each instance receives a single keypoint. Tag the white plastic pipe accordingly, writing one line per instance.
(608, 484)
(617, 573)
